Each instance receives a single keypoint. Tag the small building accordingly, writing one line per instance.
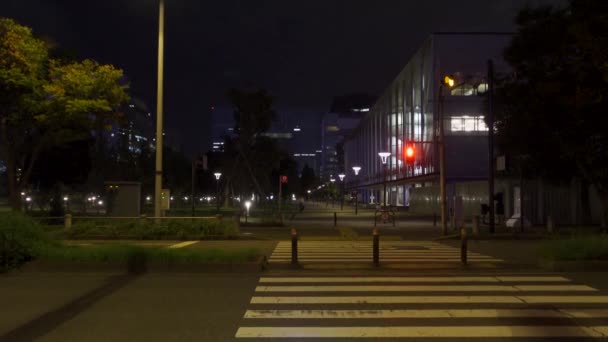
(123, 199)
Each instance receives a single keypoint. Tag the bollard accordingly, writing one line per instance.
(294, 246)
(335, 219)
(67, 222)
(376, 247)
(550, 225)
(463, 245)
(476, 226)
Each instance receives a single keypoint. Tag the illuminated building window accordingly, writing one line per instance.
(467, 123)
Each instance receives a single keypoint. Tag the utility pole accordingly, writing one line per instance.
(442, 175)
(158, 175)
(491, 145)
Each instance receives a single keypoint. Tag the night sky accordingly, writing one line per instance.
(303, 52)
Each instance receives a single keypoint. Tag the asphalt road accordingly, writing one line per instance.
(331, 303)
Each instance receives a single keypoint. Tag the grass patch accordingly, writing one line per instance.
(176, 229)
(129, 253)
(578, 248)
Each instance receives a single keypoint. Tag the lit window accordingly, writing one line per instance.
(467, 123)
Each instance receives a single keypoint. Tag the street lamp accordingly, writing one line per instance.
(384, 158)
(356, 169)
(442, 176)
(217, 189)
(247, 206)
(158, 175)
(332, 180)
(341, 176)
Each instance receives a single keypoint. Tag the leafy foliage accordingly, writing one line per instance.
(552, 109)
(46, 103)
(21, 239)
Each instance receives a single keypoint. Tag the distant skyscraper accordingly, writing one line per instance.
(344, 115)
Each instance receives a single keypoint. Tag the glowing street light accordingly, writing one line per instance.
(384, 158)
(247, 206)
(217, 189)
(341, 176)
(449, 81)
(356, 170)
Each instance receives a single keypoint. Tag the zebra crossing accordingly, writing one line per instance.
(438, 307)
(391, 252)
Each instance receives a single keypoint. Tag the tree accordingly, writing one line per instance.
(308, 179)
(249, 155)
(557, 93)
(46, 103)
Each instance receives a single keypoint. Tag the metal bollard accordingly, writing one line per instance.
(376, 247)
(294, 246)
(335, 219)
(476, 226)
(550, 225)
(463, 245)
(67, 222)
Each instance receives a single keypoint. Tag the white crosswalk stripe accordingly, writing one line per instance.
(391, 252)
(444, 307)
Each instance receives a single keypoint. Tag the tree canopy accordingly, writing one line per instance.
(47, 103)
(552, 108)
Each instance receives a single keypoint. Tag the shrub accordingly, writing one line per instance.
(21, 239)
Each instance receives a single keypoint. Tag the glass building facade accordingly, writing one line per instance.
(407, 115)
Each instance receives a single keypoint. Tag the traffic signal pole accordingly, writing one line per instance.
(442, 176)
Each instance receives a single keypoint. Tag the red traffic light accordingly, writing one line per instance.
(410, 153)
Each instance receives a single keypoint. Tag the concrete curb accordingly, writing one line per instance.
(150, 267)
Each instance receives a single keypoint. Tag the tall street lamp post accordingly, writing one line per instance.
(356, 169)
(442, 176)
(341, 190)
(158, 175)
(217, 189)
(384, 158)
(332, 180)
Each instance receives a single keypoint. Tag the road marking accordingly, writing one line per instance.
(586, 313)
(416, 313)
(423, 288)
(422, 331)
(481, 279)
(183, 244)
(429, 299)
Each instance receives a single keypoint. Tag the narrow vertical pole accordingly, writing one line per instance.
(376, 247)
(192, 188)
(342, 195)
(294, 246)
(217, 195)
(158, 175)
(356, 202)
(442, 175)
(463, 245)
(384, 194)
(280, 199)
(491, 144)
(335, 219)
